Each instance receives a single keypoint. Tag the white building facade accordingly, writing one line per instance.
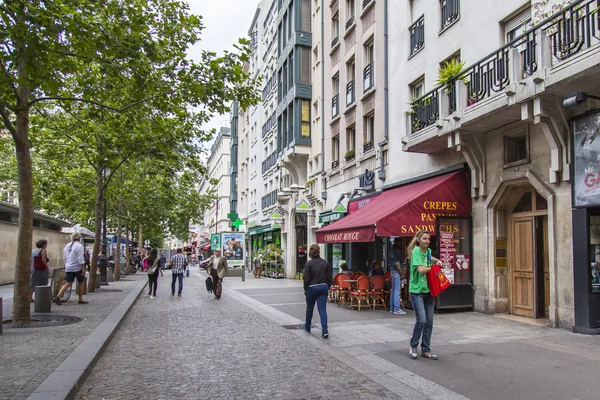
(219, 162)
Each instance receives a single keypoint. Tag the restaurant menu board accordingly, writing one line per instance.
(447, 254)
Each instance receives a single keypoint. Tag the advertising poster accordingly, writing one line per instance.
(463, 262)
(233, 248)
(595, 252)
(336, 254)
(447, 254)
(586, 147)
(215, 241)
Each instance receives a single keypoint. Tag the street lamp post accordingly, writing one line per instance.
(103, 256)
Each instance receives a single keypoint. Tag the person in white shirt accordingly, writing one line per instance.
(74, 267)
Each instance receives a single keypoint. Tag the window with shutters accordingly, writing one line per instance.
(305, 16)
(305, 62)
(518, 25)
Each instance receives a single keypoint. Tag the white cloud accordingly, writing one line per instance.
(225, 21)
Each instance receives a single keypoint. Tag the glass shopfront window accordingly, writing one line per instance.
(594, 251)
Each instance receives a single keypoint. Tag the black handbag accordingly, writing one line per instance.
(209, 285)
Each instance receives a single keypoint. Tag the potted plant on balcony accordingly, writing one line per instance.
(302, 249)
(368, 145)
(449, 70)
(349, 155)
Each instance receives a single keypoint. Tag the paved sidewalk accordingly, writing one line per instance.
(30, 355)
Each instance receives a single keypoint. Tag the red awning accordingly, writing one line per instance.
(403, 211)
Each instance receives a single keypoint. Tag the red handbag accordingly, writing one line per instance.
(437, 280)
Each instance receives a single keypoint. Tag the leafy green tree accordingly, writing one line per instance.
(105, 54)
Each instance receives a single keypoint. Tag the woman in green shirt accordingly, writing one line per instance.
(422, 301)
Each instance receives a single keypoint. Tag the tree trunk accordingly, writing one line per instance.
(20, 135)
(140, 237)
(127, 252)
(97, 230)
(117, 273)
(21, 289)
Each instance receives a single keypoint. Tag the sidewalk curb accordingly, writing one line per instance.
(69, 376)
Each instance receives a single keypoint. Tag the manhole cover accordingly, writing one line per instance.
(40, 320)
(296, 327)
(109, 290)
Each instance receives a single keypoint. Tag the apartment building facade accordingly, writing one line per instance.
(219, 163)
(355, 146)
(502, 115)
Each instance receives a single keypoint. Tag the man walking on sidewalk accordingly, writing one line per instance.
(74, 267)
(178, 263)
(395, 261)
(257, 266)
(217, 269)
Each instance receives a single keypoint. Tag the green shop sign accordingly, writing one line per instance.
(262, 229)
(331, 216)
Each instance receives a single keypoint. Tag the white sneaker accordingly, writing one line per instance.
(400, 312)
(151, 297)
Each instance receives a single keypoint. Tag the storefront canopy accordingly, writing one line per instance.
(403, 211)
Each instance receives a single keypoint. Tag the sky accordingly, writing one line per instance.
(224, 22)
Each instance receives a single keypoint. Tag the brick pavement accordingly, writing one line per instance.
(30, 355)
(195, 347)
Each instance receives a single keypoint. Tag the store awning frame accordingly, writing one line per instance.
(404, 210)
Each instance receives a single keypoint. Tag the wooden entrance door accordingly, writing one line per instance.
(523, 268)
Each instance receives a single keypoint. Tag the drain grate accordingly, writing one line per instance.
(40, 321)
(297, 327)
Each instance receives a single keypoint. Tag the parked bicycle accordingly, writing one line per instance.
(58, 280)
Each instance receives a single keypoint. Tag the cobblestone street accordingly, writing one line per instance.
(196, 347)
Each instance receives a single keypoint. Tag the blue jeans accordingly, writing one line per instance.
(180, 278)
(317, 294)
(423, 306)
(395, 291)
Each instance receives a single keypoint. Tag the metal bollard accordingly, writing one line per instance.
(84, 286)
(98, 280)
(110, 276)
(43, 299)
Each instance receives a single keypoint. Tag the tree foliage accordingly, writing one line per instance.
(109, 76)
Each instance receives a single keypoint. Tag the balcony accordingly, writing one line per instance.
(269, 87)
(349, 23)
(335, 164)
(335, 41)
(267, 126)
(450, 12)
(350, 93)
(270, 162)
(417, 36)
(368, 146)
(269, 200)
(335, 106)
(553, 59)
(368, 77)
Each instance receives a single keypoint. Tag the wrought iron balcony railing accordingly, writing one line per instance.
(368, 146)
(269, 200)
(335, 41)
(369, 77)
(349, 23)
(270, 162)
(563, 35)
(366, 3)
(269, 86)
(267, 126)
(450, 11)
(335, 106)
(335, 164)
(417, 35)
(350, 93)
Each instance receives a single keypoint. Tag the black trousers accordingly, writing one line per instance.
(153, 282)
